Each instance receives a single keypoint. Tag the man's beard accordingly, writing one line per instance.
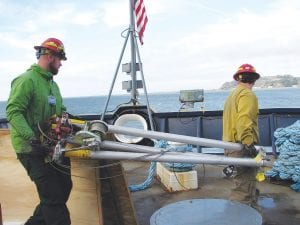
(53, 69)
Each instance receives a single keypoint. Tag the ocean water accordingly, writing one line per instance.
(169, 102)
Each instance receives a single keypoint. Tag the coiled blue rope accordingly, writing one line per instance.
(152, 168)
(287, 166)
(176, 167)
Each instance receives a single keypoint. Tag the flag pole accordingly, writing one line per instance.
(134, 66)
(133, 53)
(129, 35)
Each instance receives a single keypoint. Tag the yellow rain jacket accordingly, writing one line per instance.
(241, 116)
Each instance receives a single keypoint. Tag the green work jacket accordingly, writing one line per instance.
(33, 99)
(240, 116)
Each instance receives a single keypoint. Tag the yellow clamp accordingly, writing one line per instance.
(260, 176)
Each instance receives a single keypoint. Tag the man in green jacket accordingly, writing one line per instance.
(34, 99)
(240, 125)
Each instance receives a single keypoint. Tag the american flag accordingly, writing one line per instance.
(141, 18)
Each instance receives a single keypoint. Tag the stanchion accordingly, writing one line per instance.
(0, 215)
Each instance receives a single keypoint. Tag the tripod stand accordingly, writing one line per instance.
(133, 68)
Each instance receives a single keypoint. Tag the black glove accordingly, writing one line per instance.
(250, 151)
(38, 148)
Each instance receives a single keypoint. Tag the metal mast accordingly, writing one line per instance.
(134, 66)
(133, 53)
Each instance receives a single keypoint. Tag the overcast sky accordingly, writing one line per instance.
(188, 44)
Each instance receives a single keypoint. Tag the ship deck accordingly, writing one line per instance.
(280, 204)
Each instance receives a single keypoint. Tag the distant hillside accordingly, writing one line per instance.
(278, 81)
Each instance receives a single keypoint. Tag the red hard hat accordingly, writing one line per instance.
(246, 68)
(55, 45)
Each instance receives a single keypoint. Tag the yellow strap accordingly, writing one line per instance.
(78, 154)
(75, 121)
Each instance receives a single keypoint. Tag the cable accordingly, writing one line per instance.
(44, 135)
(53, 164)
(72, 175)
(181, 119)
(185, 188)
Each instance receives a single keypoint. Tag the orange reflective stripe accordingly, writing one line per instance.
(53, 44)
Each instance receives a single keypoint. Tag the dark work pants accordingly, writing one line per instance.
(53, 183)
(244, 190)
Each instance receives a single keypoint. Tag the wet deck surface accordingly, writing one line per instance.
(280, 205)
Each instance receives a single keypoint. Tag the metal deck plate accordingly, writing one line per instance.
(206, 212)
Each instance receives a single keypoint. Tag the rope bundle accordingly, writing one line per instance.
(287, 166)
(174, 166)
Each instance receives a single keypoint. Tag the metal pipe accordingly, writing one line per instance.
(117, 146)
(147, 153)
(177, 158)
(133, 53)
(110, 145)
(174, 137)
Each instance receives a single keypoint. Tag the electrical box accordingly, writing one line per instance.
(127, 67)
(127, 85)
(191, 96)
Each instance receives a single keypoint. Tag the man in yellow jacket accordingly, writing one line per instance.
(240, 125)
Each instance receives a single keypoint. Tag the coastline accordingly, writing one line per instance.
(169, 101)
(174, 92)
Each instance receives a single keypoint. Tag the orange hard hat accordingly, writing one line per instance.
(55, 46)
(246, 69)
